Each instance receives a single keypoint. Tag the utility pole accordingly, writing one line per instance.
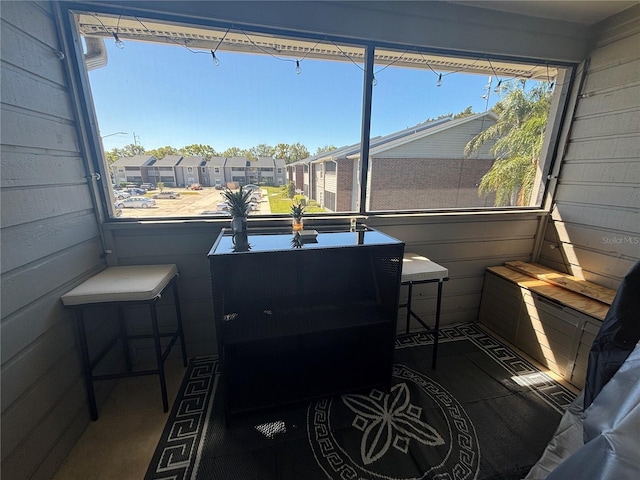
(136, 139)
(487, 94)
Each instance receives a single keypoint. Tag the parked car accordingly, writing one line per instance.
(148, 186)
(136, 191)
(250, 187)
(195, 186)
(135, 202)
(168, 194)
(215, 213)
(121, 194)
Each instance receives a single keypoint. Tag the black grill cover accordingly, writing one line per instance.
(618, 336)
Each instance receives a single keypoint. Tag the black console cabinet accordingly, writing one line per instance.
(298, 319)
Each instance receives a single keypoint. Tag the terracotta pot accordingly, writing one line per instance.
(297, 224)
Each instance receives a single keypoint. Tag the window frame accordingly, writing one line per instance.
(79, 85)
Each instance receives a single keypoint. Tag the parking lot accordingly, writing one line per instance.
(190, 203)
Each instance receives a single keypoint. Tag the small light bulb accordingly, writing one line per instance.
(439, 82)
(298, 69)
(498, 87)
(375, 81)
(119, 43)
(216, 62)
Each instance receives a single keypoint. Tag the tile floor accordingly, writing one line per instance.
(120, 444)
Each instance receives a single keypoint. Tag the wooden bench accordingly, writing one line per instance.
(551, 316)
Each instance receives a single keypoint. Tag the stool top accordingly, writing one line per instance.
(416, 268)
(129, 283)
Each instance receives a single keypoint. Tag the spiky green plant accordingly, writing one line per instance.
(239, 204)
(297, 210)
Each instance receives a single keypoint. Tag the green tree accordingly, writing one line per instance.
(163, 151)
(207, 151)
(297, 151)
(233, 152)
(262, 150)
(467, 112)
(518, 134)
(126, 151)
(324, 149)
(281, 151)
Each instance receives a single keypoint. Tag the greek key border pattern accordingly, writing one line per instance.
(552, 392)
(181, 438)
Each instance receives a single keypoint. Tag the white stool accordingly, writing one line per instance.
(417, 269)
(122, 286)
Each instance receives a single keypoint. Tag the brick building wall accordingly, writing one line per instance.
(413, 183)
(344, 192)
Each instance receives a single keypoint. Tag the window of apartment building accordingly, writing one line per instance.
(431, 117)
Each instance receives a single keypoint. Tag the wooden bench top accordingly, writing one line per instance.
(577, 301)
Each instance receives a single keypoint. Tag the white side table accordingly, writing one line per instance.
(124, 286)
(417, 269)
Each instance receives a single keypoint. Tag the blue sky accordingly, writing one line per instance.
(167, 95)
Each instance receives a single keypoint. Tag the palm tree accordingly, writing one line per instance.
(518, 134)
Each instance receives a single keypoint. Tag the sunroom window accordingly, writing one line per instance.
(249, 107)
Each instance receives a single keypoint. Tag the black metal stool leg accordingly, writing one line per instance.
(436, 329)
(86, 365)
(125, 340)
(159, 359)
(409, 295)
(176, 300)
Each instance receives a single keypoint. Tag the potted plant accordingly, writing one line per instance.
(297, 210)
(239, 205)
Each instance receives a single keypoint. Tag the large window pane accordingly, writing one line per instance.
(180, 105)
(452, 133)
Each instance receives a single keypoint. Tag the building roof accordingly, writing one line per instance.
(391, 141)
(237, 162)
(193, 161)
(395, 139)
(217, 161)
(168, 161)
(135, 161)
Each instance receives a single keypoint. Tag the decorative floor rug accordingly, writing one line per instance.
(483, 413)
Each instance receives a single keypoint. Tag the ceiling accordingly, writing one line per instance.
(581, 12)
(578, 11)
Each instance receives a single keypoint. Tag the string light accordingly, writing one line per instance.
(216, 62)
(119, 43)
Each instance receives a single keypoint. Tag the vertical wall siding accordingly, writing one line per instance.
(594, 229)
(50, 242)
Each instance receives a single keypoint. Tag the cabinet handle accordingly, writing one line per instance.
(550, 301)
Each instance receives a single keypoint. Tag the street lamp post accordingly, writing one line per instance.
(112, 134)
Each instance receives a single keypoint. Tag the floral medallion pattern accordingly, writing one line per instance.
(389, 420)
(359, 436)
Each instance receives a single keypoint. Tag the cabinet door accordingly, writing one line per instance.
(589, 332)
(548, 331)
(500, 306)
